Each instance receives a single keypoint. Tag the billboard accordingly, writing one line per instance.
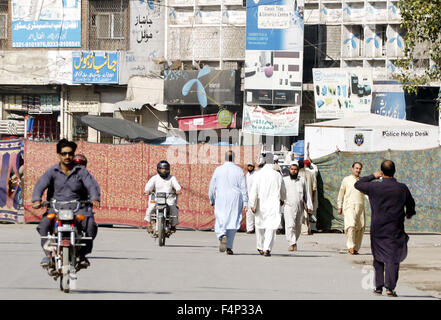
(340, 92)
(274, 52)
(95, 67)
(388, 100)
(279, 122)
(204, 87)
(46, 23)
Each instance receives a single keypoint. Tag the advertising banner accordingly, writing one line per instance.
(388, 100)
(341, 92)
(206, 122)
(204, 87)
(274, 52)
(95, 67)
(280, 122)
(46, 23)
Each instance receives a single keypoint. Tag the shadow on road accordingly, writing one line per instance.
(116, 258)
(283, 255)
(124, 292)
(187, 246)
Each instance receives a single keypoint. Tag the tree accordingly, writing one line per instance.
(422, 21)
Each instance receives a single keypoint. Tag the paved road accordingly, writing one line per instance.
(128, 264)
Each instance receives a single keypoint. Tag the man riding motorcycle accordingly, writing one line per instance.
(65, 182)
(163, 182)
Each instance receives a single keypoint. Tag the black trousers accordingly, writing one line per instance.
(391, 272)
(88, 225)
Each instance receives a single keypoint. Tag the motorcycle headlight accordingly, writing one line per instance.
(65, 215)
(160, 198)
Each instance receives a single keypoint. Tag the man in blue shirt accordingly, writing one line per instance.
(65, 182)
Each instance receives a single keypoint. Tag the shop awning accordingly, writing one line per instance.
(204, 122)
(122, 128)
(143, 91)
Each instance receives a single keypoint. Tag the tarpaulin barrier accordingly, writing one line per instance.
(123, 170)
(420, 170)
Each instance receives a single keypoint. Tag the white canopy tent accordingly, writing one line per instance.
(367, 134)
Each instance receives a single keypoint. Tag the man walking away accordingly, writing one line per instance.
(228, 194)
(311, 184)
(249, 178)
(387, 198)
(267, 195)
(350, 202)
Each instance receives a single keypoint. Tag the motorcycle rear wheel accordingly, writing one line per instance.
(161, 231)
(64, 279)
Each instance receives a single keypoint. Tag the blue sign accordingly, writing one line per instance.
(95, 67)
(390, 104)
(274, 25)
(49, 25)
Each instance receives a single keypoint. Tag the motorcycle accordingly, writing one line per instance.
(161, 217)
(64, 242)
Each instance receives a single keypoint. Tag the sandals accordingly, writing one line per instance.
(391, 293)
(260, 252)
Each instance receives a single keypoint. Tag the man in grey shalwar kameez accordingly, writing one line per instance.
(388, 238)
(228, 194)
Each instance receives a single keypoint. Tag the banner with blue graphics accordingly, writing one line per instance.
(274, 25)
(46, 23)
(95, 67)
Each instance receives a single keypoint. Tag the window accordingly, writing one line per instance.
(3, 26)
(109, 26)
(79, 128)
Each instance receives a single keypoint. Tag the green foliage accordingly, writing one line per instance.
(422, 21)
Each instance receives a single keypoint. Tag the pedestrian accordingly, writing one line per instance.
(312, 167)
(228, 194)
(249, 179)
(388, 237)
(350, 202)
(297, 198)
(311, 183)
(266, 197)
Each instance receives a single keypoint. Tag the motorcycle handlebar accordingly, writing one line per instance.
(53, 202)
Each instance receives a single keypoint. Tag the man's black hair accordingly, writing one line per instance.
(229, 156)
(356, 162)
(388, 168)
(66, 143)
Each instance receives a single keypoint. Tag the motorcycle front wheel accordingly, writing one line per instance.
(64, 279)
(161, 231)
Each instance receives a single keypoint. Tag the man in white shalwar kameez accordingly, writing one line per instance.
(249, 178)
(297, 200)
(350, 202)
(267, 193)
(228, 194)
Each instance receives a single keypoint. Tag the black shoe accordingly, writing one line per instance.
(251, 232)
(229, 251)
(267, 253)
(84, 263)
(378, 290)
